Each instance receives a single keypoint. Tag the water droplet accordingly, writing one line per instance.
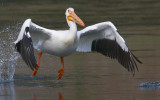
(9, 56)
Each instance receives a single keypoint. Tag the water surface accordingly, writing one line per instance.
(88, 76)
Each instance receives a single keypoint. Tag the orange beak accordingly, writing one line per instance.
(75, 18)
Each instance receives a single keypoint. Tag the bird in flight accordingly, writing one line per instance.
(102, 38)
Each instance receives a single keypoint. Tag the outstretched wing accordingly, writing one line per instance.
(31, 36)
(105, 39)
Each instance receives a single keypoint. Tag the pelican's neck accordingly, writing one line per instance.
(72, 26)
(72, 29)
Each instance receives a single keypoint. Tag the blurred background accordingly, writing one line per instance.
(87, 76)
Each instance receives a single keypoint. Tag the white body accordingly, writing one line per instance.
(60, 43)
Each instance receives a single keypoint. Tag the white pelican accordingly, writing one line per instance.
(102, 38)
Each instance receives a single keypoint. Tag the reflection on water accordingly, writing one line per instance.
(7, 91)
(88, 76)
(60, 96)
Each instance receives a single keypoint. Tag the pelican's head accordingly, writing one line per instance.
(71, 16)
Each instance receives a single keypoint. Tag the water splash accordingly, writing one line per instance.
(150, 85)
(8, 55)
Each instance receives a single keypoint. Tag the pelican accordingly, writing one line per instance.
(102, 38)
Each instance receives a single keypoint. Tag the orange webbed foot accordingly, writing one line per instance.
(34, 73)
(61, 71)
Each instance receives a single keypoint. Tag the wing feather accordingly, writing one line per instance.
(105, 39)
(31, 36)
(25, 48)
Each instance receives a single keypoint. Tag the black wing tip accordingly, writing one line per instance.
(18, 47)
(137, 59)
(26, 50)
(27, 29)
(111, 49)
(135, 65)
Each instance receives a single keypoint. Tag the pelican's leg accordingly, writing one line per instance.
(38, 63)
(61, 71)
(60, 96)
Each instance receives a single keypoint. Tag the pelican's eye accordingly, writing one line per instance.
(69, 11)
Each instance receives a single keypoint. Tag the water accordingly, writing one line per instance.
(88, 76)
(7, 91)
(150, 85)
(8, 54)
